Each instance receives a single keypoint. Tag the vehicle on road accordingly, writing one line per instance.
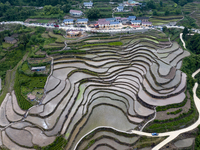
(154, 134)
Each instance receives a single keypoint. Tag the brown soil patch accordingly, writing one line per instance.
(171, 73)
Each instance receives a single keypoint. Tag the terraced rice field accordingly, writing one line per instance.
(96, 99)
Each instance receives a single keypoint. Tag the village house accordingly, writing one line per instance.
(103, 23)
(130, 18)
(147, 24)
(76, 13)
(68, 21)
(132, 3)
(73, 33)
(119, 19)
(120, 8)
(82, 21)
(10, 40)
(88, 4)
(143, 19)
(136, 22)
(42, 68)
(115, 24)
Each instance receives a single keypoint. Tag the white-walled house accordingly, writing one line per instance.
(115, 24)
(68, 21)
(131, 18)
(88, 4)
(103, 23)
(76, 13)
(120, 8)
(82, 21)
(136, 22)
(146, 23)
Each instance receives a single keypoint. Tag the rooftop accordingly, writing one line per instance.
(134, 21)
(132, 2)
(120, 7)
(31, 97)
(117, 17)
(88, 3)
(110, 19)
(123, 18)
(132, 17)
(140, 18)
(114, 22)
(82, 20)
(103, 22)
(75, 11)
(68, 20)
(36, 68)
(146, 22)
(9, 39)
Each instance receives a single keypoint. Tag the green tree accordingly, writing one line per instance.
(178, 11)
(164, 29)
(93, 13)
(166, 12)
(161, 4)
(66, 8)
(155, 13)
(151, 4)
(185, 32)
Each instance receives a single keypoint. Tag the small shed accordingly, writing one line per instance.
(10, 40)
(42, 68)
(31, 97)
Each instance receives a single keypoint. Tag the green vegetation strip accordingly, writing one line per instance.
(23, 103)
(164, 108)
(175, 112)
(58, 144)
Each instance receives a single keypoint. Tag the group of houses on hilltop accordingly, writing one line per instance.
(112, 22)
(118, 21)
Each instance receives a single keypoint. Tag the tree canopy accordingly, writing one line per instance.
(194, 43)
(93, 13)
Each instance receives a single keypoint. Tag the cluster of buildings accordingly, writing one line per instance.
(112, 22)
(118, 21)
(131, 3)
